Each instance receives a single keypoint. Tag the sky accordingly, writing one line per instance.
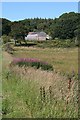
(15, 11)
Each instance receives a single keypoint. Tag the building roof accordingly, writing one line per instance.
(43, 34)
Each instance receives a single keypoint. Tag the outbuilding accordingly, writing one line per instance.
(42, 36)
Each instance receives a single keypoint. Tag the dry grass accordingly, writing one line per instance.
(46, 79)
(22, 85)
(6, 60)
(22, 90)
(64, 60)
(0, 81)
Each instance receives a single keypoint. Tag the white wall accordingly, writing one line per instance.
(34, 37)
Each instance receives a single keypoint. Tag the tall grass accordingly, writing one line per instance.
(0, 79)
(33, 93)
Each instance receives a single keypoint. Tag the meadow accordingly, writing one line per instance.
(0, 83)
(64, 60)
(34, 93)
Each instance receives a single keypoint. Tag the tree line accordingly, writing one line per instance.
(67, 26)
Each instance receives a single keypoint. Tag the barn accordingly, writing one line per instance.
(36, 36)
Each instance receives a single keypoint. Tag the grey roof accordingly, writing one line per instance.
(43, 34)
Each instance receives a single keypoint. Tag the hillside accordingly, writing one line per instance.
(66, 26)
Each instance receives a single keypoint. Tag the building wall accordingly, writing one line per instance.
(35, 37)
(41, 38)
(32, 37)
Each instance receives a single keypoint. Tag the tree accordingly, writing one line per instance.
(77, 35)
(18, 31)
(6, 26)
(63, 27)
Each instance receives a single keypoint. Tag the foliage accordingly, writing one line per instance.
(6, 26)
(0, 27)
(25, 97)
(17, 30)
(31, 62)
(63, 27)
(59, 43)
(6, 39)
(66, 25)
(33, 93)
(63, 59)
(6, 107)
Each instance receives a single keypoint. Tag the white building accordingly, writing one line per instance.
(37, 36)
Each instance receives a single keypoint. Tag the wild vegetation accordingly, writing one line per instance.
(42, 82)
(31, 62)
(34, 93)
(0, 80)
(67, 26)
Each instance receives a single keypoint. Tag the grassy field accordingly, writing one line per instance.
(0, 80)
(35, 93)
(63, 59)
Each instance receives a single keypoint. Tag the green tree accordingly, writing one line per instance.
(6, 26)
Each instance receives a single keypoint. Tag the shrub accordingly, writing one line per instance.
(63, 43)
(6, 39)
(32, 62)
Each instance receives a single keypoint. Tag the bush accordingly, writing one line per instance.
(32, 62)
(57, 43)
(6, 39)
